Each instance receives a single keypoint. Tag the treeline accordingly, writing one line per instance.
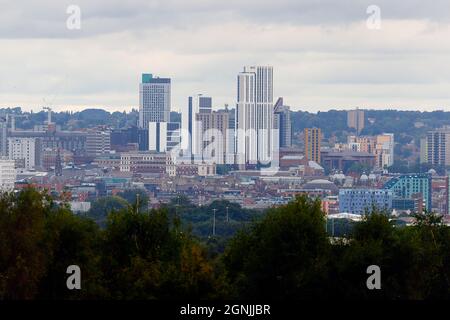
(287, 254)
(406, 125)
(230, 216)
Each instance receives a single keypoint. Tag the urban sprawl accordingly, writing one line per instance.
(247, 154)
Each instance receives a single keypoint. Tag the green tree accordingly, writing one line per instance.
(147, 257)
(103, 206)
(132, 196)
(282, 256)
(23, 256)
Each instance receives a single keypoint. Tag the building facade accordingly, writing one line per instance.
(25, 151)
(191, 128)
(213, 135)
(145, 162)
(7, 174)
(313, 137)
(163, 136)
(282, 123)
(254, 116)
(355, 120)
(154, 100)
(438, 147)
(410, 186)
(361, 201)
(98, 141)
(382, 146)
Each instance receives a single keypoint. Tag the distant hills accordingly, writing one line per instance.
(408, 126)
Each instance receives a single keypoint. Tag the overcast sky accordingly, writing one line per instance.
(323, 53)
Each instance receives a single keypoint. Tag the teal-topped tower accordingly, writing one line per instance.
(147, 77)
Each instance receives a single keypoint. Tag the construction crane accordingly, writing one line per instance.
(49, 116)
(13, 120)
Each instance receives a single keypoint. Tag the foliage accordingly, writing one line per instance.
(284, 254)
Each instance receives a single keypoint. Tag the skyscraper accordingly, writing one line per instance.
(312, 137)
(154, 100)
(254, 116)
(191, 138)
(355, 120)
(282, 122)
(438, 147)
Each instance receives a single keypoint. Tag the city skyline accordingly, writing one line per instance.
(325, 55)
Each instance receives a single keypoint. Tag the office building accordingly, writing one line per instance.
(254, 116)
(361, 201)
(282, 123)
(98, 141)
(73, 141)
(147, 162)
(25, 151)
(7, 174)
(313, 137)
(154, 100)
(213, 135)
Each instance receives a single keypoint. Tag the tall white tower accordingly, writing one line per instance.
(154, 100)
(254, 115)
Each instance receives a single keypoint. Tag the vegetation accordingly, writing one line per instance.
(151, 254)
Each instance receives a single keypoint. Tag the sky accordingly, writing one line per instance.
(326, 54)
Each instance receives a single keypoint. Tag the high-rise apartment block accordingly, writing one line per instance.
(355, 120)
(438, 147)
(254, 116)
(313, 137)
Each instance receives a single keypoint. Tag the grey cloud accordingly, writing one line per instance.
(46, 19)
